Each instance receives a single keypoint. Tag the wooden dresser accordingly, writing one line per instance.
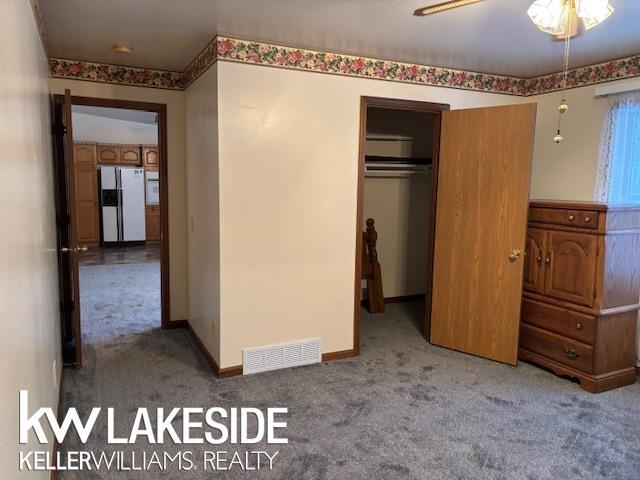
(582, 291)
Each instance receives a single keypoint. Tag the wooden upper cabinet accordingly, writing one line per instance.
(150, 157)
(108, 155)
(571, 261)
(130, 156)
(535, 248)
(84, 153)
(119, 155)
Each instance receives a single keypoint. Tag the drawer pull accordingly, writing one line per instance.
(572, 354)
(578, 326)
(587, 219)
(539, 259)
(571, 218)
(547, 261)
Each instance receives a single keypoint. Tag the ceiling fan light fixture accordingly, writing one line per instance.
(594, 12)
(553, 16)
(550, 16)
(441, 7)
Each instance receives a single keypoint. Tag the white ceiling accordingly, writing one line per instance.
(137, 116)
(494, 36)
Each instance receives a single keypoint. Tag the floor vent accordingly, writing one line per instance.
(263, 359)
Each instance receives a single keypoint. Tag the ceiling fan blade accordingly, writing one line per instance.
(443, 7)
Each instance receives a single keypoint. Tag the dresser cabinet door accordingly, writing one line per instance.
(571, 267)
(534, 260)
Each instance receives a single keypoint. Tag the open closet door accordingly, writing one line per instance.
(68, 247)
(481, 220)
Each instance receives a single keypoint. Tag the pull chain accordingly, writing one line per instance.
(562, 109)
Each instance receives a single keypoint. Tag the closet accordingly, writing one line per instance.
(397, 195)
(449, 196)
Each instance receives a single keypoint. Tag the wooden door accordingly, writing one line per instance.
(66, 231)
(150, 157)
(481, 221)
(108, 155)
(86, 194)
(130, 156)
(571, 267)
(534, 255)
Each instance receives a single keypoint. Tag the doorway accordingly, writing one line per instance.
(111, 200)
(473, 207)
(399, 149)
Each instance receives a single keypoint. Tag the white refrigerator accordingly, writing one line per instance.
(123, 204)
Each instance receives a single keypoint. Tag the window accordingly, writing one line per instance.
(618, 176)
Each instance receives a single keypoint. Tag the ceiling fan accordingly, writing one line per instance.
(556, 17)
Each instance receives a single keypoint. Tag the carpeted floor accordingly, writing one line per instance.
(402, 410)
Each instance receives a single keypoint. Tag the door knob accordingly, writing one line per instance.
(79, 248)
(514, 255)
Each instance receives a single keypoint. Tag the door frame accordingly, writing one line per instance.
(161, 110)
(395, 104)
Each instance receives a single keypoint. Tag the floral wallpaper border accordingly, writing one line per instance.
(257, 53)
(590, 75)
(334, 63)
(205, 59)
(106, 73)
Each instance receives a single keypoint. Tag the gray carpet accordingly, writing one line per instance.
(402, 410)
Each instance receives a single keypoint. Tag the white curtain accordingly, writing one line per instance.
(618, 172)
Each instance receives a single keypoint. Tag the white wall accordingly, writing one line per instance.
(401, 208)
(176, 175)
(288, 149)
(93, 128)
(29, 311)
(567, 171)
(201, 104)
(288, 171)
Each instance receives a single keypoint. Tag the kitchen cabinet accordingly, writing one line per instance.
(108, 154)
(87, 219)
(130, 155)
(150, 157)
(153, 223)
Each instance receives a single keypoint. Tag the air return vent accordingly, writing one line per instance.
(263, 359)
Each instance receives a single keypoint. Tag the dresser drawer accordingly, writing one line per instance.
(565, 322)
(547, 215)
(582, 218)
(556, 347)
